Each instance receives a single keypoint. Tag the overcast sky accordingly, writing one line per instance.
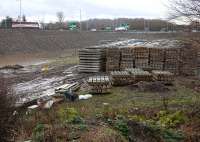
(45, 10)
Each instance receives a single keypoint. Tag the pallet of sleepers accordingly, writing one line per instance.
(113, 55)
(130, 70)
(188, 61)
(142, 63)
(141, 57)
(157, 54)
(99, 84)
(163, 76)
(172, 59)
(121, 78)
(126, 58)
(139, 75)
(156, 58)
(172, 53)
(140, 52)
(172, 66)
(92, 60)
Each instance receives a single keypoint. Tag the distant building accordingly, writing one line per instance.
(25, 25)
(122, 27)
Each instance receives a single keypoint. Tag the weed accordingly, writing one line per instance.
(82, 127)
(68, 115)
(121, 124)
(77, 120)
(172, 136)
(38, 133)
(168, 120)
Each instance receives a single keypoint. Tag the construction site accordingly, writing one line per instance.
(116, 86)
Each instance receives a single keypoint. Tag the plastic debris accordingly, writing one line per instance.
(33, 107)
(85, 97)
(48, 105)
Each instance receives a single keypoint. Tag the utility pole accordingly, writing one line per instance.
(20, 1)
(80, 20)
(20, 10)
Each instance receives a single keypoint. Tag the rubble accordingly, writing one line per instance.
(156, 86)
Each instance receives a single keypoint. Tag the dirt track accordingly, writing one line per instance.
(18, 46)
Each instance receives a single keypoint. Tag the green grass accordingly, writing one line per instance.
(125, 99)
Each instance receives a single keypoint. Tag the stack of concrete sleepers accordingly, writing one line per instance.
(139, 75)
(92, 60)
(164, 76)
(156, 58)
(172, 60)
(113, 59)
(141, 57)
(126, 58)
(99, 84)
(120, 78)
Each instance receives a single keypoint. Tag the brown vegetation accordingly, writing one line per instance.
(7, 118)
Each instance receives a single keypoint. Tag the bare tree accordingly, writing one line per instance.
(60, 16)
(185, 9)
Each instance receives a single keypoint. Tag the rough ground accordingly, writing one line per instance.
(106, 118)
